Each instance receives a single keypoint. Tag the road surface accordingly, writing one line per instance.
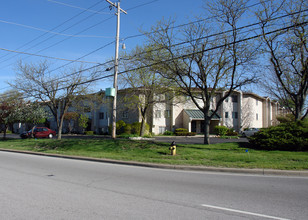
(37, 187)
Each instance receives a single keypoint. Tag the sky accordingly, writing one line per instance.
(64, 29)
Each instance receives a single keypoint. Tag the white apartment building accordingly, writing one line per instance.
(240, 110)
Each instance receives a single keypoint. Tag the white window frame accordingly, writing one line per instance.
(158, 114)
(167, 114)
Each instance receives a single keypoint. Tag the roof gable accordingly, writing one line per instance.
(198, 114)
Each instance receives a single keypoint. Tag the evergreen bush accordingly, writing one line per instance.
(291, 136)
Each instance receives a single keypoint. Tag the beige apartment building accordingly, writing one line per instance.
(240, 110)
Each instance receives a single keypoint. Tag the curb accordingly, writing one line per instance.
(167, 166)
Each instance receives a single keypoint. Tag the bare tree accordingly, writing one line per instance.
(287, 50)
(148, 87)
(56, 92)
(200, 65)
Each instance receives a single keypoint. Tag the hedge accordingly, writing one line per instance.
(291, 136)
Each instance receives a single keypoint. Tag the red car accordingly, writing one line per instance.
(39, 132)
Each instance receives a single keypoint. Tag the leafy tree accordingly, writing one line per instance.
(14, 109)
(56, 92)
(70, 117)
(10, 104)
(83, 121)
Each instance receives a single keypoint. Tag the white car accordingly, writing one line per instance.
(250, 131)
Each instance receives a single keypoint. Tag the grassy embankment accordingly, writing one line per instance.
(217, 155)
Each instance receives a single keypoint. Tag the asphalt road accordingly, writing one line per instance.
(36, 187)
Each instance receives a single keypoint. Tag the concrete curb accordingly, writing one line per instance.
(175, 167)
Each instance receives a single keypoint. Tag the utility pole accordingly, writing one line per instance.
(116, 65)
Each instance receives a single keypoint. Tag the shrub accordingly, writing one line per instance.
(89, 132)
(127, 129)
(168, 133)
(136, 126)
(183, 132)
(221, 130)
(291, 136)
(231, 132)
(120, 127)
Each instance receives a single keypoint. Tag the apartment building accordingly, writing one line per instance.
(240, 110)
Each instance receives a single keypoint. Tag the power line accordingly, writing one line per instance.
(141, 5)
(61, 40)
(52, 32)
(79, 32)
(186, 24)
(216, 34)
(180, 42)
(29, 42)
(186, 55)
(48, 57)
(84, 56)
(73, 6)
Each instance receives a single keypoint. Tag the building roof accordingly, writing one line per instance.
(198, 114)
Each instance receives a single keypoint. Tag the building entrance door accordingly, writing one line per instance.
(194, 126)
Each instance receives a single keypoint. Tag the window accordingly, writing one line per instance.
(257, 117)
(101, 115)
(234, 115)
(234, 98)
(227, 99)
(160, 97)
(162, 129)
(157, 114)
(167, 113)
(125, 114)
(226, 114)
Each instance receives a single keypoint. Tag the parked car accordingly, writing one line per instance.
(39, 132)
(250, 131)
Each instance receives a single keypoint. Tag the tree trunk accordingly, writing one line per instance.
(142, 129)
(4, 132)
(60, 127)
(207, 131)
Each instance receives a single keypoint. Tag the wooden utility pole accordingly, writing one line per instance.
(116, 65)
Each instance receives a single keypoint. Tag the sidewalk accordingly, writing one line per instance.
(175, 167)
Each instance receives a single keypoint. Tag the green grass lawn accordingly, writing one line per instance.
(216, 155)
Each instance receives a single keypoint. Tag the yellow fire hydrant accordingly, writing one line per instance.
(172, 148)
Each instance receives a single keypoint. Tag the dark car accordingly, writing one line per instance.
(39, 132)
